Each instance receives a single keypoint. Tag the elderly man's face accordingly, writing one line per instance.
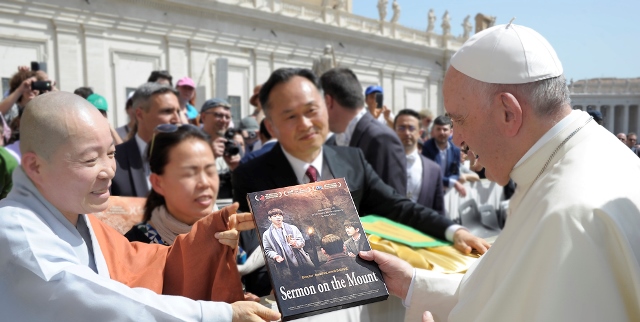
(473, 123)
(622, 137)
(77, 177)
(297, 117)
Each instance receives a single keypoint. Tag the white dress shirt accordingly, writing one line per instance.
(343, 139)
(414, 175)
(300, 167)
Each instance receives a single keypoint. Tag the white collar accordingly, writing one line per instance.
(300, 167)
(413, 155)
(142, 146)
(445, 149)
(550, 134)
(344, 138)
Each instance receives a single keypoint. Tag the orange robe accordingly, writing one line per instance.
(196, 266)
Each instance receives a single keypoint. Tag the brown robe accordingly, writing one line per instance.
(196, 266)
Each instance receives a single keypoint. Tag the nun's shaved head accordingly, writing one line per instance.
(52, 119)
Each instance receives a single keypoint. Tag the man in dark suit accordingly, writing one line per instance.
(439, 149)
(297, 116)
(154, 104)
(357, 128)
(424, 178)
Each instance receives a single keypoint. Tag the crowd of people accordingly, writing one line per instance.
(570, 249)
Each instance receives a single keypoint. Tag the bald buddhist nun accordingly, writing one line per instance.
(570, 250)
(59, 264)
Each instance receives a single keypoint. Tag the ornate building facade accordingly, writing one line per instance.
(617, 99)
(225, 46)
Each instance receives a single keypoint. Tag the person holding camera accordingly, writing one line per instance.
(215, 116)
(23, 87)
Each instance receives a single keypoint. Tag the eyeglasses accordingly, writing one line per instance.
(403, 128)
(167, 128)
(220, 115)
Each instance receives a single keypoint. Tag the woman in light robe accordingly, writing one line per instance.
(184, 184)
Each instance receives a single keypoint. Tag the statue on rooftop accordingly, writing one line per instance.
(382, 9)
(466, 25)
(396, 11)
(446, 25)
(431, 17)
(325, 62)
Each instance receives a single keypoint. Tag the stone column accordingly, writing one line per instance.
(177, 58)
(98, 73)
(68, 55)
(199, 69)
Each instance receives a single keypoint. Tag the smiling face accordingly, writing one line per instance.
(77, 176)
(297, 117)
(476, 125)
(189, 182)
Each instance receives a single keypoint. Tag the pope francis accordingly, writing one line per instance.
(570, 250)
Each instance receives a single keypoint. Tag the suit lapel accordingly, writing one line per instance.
(425, 178)
(281, 171)
(331, 159)
(137, 173)
(360, 128)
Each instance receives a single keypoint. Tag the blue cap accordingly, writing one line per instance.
(214, 102)
(373, 89)
(595, 114)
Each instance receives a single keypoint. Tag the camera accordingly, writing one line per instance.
(42, 86)
(230, 147)
(379, 99)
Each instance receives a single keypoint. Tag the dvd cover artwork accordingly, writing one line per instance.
(310, 236)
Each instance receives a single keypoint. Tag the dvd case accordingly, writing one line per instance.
(310, 235)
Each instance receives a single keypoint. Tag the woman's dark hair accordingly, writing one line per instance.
(162, 143)
(84, 92)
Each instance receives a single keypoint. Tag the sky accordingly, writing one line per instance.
(592, 38)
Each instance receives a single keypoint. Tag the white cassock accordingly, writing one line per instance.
(46, 274)
(570, 250)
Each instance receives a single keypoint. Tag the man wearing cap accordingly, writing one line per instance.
(186, 91)
(215, 116)
(356, 128)
(154, 104)
(597, 116)
(570, 250)
(381, 113)
(101, 104)
(249, 129)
